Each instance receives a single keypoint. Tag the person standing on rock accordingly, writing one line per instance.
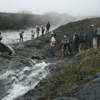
(94, 33)
(21, 36)
(65, 46)
(83, 39)
(32, 33)
(76, 41)
(37, 30)
(0, 37)
(48, 27)
(52, 45)
(43, 29)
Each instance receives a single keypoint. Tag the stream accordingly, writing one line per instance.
(18, 81)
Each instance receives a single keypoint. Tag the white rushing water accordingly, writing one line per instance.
(17, 82)
(12, 37)
(20, 81)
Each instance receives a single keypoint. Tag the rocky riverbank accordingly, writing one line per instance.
(75, 77)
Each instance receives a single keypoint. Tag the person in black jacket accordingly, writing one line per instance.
(48, 27)
(21, 36)
(76, 41)
(0, 37)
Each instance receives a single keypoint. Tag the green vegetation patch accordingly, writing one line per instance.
(64, 78)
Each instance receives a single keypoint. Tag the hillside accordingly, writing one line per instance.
(78, 79)
(15, 21)
(82, 26)
(73, 78)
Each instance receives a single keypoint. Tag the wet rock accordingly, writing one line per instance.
(4, 48)
(65, 98)
(91, 91)
(39, 49)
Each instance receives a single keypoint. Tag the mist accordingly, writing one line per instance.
(16, 14)
(72, 7)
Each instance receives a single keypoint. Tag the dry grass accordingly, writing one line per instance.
(64, 78)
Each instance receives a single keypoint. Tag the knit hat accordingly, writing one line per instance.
(92, 24)
(65, 36)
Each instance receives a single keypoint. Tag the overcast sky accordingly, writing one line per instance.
(72, 7)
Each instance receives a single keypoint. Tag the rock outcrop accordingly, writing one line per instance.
(4, 48)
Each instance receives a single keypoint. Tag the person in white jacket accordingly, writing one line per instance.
(52, 45)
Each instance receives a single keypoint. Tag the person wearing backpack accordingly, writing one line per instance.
(65, 46)
(37, 30)
(21, 36)
(83, 39)
(43, 29)
(94, 34)
(52, 44)
(76, 41)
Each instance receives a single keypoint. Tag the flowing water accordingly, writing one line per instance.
(10, 37)
(14, 83)
(17, 82)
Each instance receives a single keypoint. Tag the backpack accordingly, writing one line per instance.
(55, 43)
(84, 37)
(48, 25)
(54, 33)
(38, 29)
(65, 42)
(98, 31)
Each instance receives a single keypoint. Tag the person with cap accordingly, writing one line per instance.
(76, 41)
(65, 46)
(21, 36)
(43, 29)
(94, 31)
(52, 44)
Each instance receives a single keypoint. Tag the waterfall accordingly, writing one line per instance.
(20, 81)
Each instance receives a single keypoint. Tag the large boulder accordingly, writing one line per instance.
(91, 91)
(4, 48)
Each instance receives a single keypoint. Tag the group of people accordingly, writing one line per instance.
(36, 30)
(79, 41)
(42, 30)
(65, 44)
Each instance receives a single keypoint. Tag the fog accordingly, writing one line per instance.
(71, 7)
